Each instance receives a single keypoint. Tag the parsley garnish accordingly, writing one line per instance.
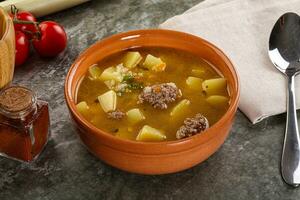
(131, 83)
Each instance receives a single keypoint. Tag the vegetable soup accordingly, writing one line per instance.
(153, 94)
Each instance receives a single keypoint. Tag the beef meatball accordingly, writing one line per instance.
(192, 126)
(160, 95)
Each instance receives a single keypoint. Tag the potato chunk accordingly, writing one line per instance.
(82, 107)
(132, 59)
(94, 72)
(111, 74)
(135, 115)
(194, 83)
(218, 101)
(147, 134)
(154, 63)
(108, 101)
(214, 86)
(180, 108)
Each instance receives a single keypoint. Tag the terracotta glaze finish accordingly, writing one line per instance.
(152, 157)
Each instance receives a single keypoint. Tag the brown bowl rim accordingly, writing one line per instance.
(72, 107)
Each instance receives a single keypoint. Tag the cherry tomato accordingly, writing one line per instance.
(52, 41)
(22, 48)
(24, 16)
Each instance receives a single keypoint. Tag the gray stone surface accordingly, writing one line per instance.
(246, 167)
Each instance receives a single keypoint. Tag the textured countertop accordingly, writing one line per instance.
(245, 167)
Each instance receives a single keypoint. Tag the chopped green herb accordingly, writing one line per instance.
(131, 83)
(128, 79)
(135, 86)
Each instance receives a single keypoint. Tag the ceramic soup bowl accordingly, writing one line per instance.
(152, 157)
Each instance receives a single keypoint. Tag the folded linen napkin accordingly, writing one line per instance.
(241, 28)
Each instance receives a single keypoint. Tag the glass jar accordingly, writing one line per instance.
(24, 123)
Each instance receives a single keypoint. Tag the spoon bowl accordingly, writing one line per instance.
(284, 44)
(284, 52)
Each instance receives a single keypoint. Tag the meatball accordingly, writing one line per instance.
(192, 126)
(117, 115)
(160, 95)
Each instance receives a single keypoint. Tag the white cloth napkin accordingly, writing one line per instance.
(241, 28)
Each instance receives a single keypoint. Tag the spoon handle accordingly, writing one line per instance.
(290, 168)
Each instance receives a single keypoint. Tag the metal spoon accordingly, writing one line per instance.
(284, 52)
